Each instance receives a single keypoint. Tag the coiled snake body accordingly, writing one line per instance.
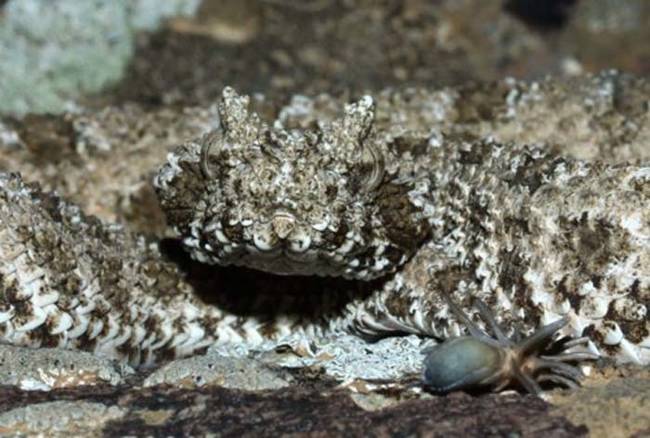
(411, 216)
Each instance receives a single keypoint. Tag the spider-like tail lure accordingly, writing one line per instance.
(499, 361)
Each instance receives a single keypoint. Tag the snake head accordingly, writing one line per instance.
(481, 360)
(324, 201)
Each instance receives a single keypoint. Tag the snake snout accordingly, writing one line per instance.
(289, 233)
(283, 224)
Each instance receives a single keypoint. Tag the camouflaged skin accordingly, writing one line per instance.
(536, 235)
(69, 280)
(540, 231)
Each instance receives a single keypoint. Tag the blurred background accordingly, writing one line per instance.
(56, 55)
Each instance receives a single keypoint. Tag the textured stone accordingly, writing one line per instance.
(102, 159)
(58, 418)
(345, 357)
(357, 46)
(47, 368)
(215, 370)
(53, 52)
(308, 408)
(616, 402)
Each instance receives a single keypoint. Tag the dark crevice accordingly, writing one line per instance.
(247, 292)
(541, 14)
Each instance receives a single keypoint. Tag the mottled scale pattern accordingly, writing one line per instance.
(536, 235)
(408, 195)
(69, 280)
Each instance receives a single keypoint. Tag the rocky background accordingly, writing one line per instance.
(93, 94)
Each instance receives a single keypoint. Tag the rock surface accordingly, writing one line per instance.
(315, 404)
(310, 408)
(214, 370)
(55, 52)
(614, 403)
(50, 368)
(354, 46)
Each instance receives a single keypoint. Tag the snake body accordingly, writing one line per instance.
(405, 216)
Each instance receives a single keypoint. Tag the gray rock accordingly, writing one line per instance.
(609, 395)
(50, 368)
(58, 418)
(54, 51)
(344, 357)
(227, 372)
